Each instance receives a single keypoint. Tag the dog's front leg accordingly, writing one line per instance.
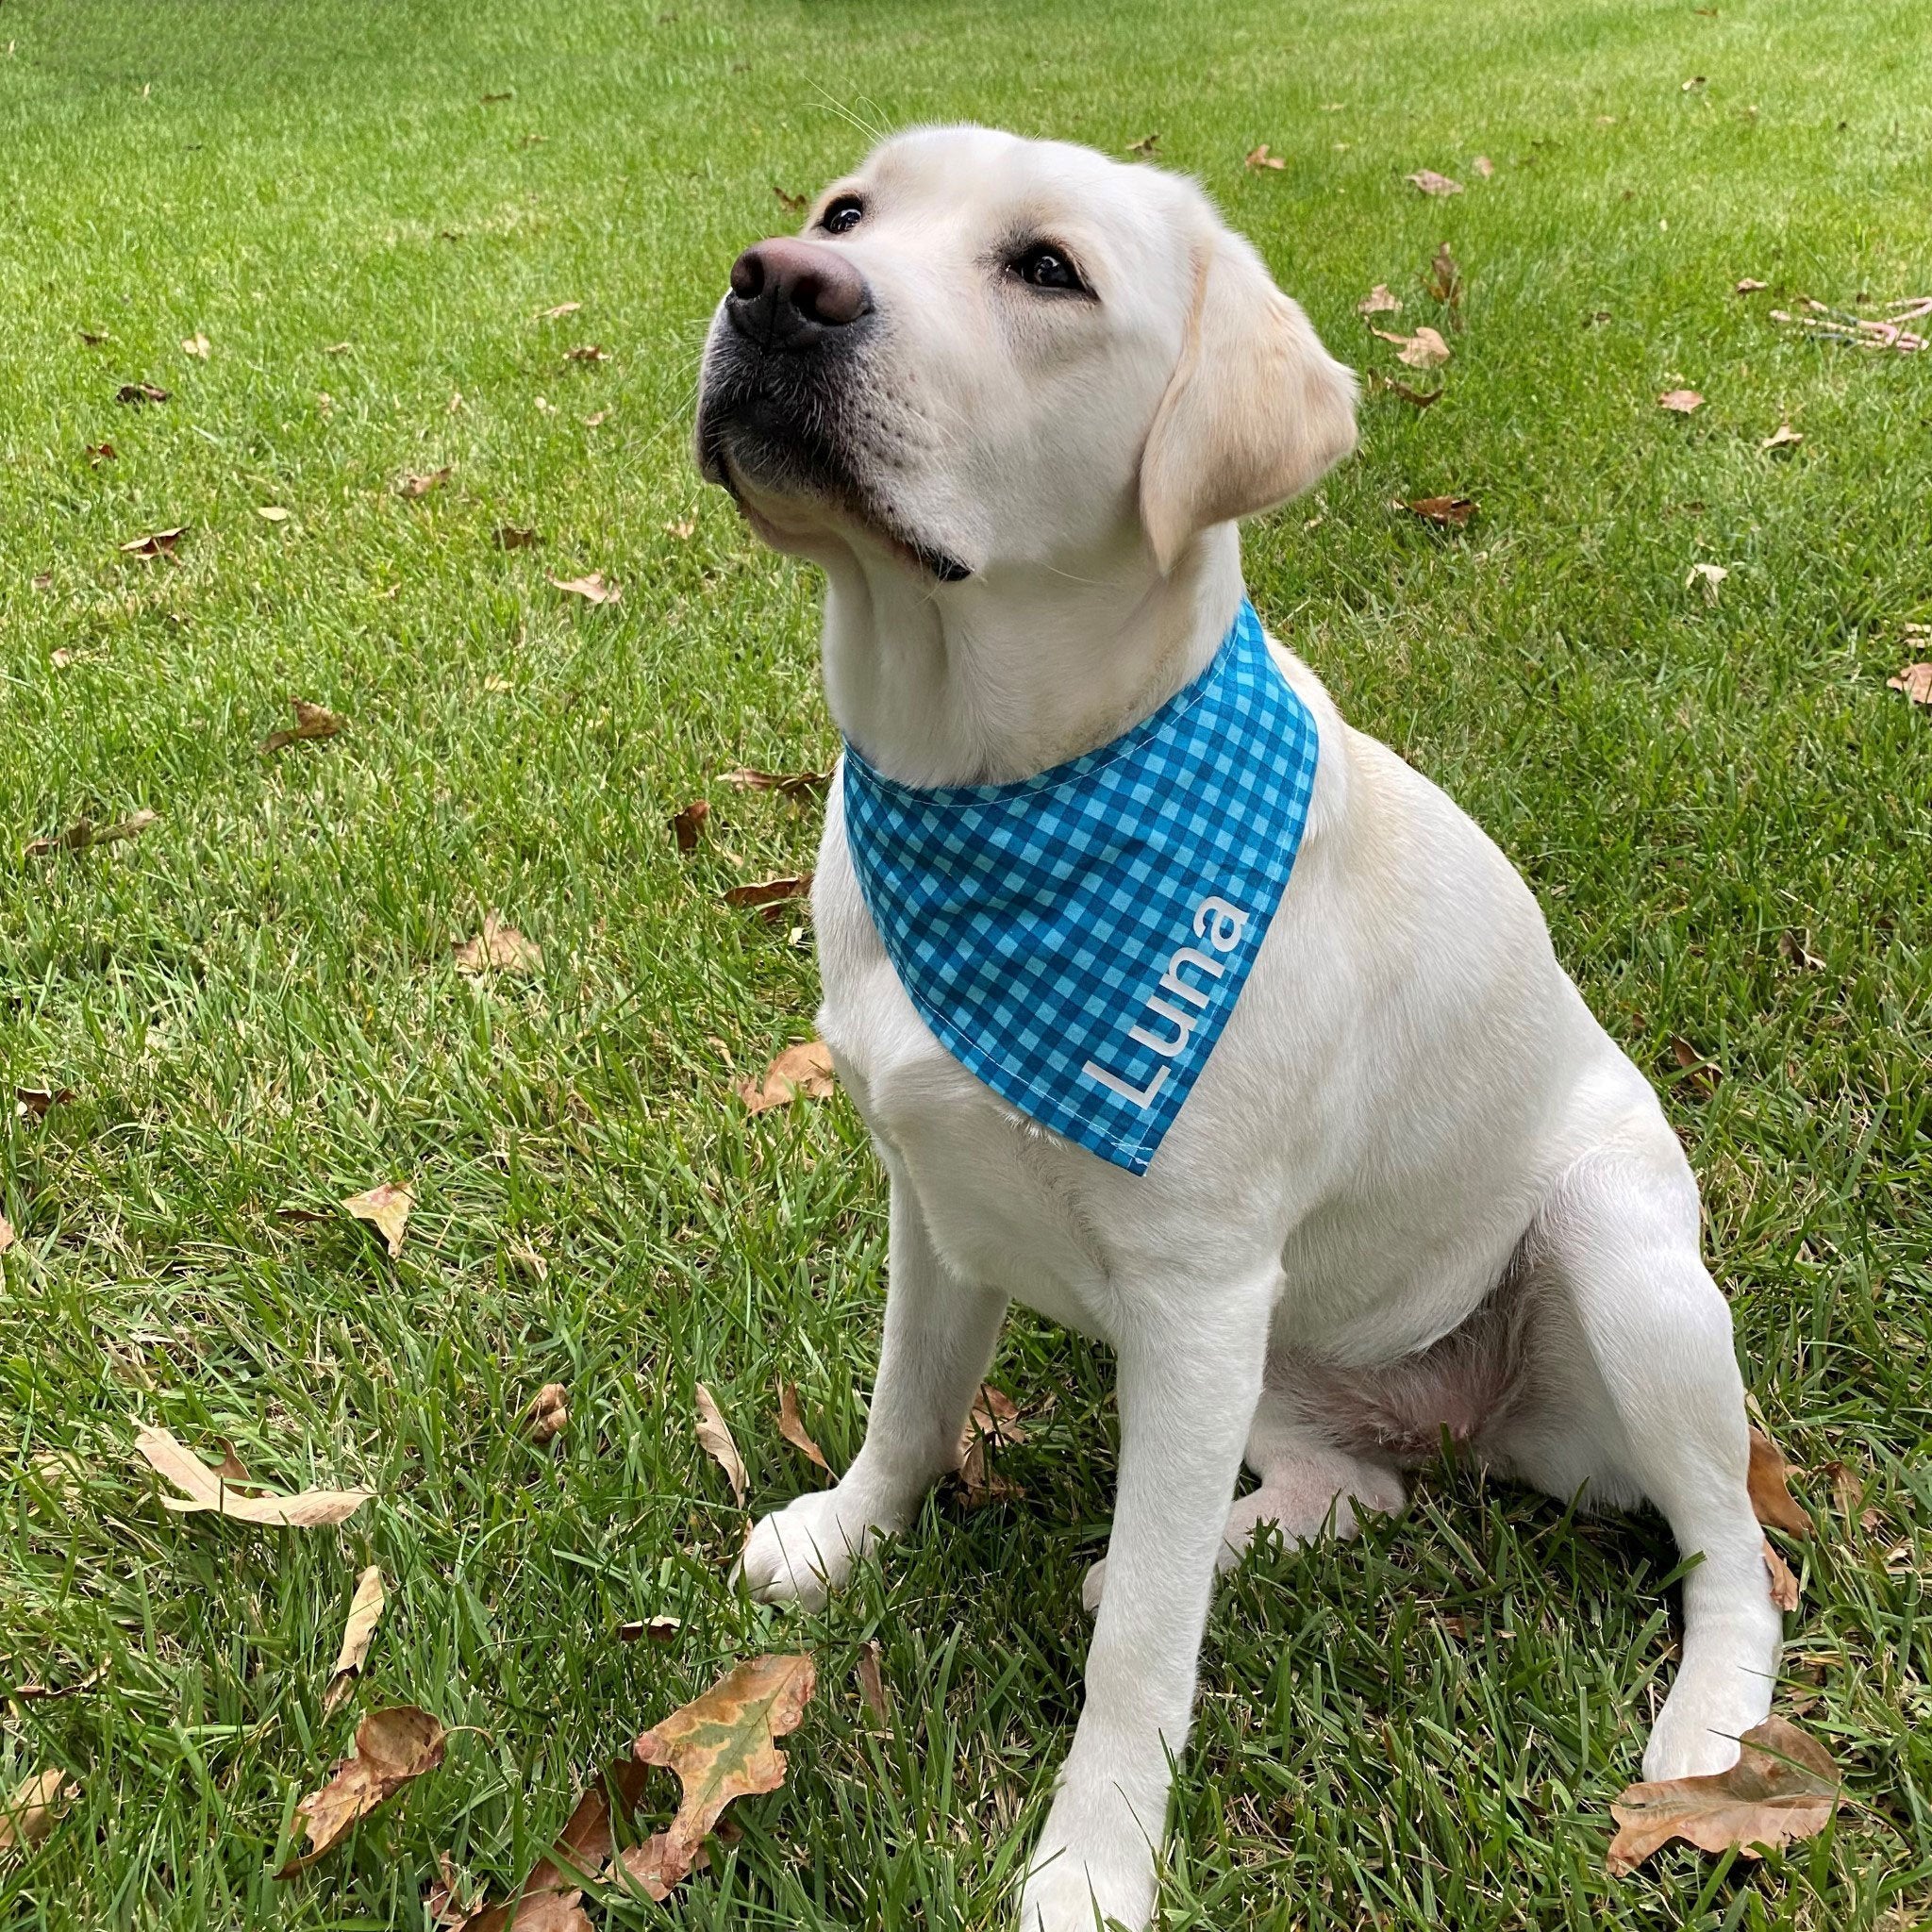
(1190, 1376)
(940, 1337)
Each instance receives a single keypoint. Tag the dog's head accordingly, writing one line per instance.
(983, 351)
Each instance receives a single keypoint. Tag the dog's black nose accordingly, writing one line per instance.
(790, 294)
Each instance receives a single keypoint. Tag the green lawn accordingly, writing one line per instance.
(1724, 809)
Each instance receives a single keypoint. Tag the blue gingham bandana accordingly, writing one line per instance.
(1077, 939)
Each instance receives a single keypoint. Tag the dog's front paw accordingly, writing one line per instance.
(1088, 1870)
(805, 1551)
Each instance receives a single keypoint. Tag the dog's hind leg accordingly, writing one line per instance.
(1637, 1394)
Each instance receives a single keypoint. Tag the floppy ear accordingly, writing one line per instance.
(1256, 410)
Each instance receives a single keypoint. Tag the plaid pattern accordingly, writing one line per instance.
(1032, 923)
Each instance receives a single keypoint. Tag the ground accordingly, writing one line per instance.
(366, 211)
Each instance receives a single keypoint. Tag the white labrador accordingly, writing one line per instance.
(1010, 397)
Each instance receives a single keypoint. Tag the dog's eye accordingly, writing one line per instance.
(843, 216)
(1043, 266)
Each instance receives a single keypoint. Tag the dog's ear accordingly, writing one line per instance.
(1256, 410)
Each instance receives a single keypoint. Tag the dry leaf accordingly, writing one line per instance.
(392, 1747)
(587, 352)
(452, 1900)
(1147, 144)
(1425, 349)
(994, 1419)
(1378, 301)
(273, 513)
(805, 1068)
(34, 1103)
(788, 784)
(1259, 157)
(548, 1414)
(28, 1815)
(1783, 1581)
(687, 826)
(1770, 1492)
(387, 1208)
(311, 721)
(44, 580)
(498, 948)
(1796, 947)
(791, 204)
(872, 1684)
(92, 338)
(549, 1900)
(1915, 680)
(413, 485)
(1696, 81)
(557, 313)
(770, 892)
(1709, 574)
(512, 537)
(99, 453)
(658, 1629)
(596, 421)
(1444, 282)
(84, 833)
(1416, 398)
(60, 659)
(1680, 402)
(1700, 1074)
(7, 1235)
(195, 345)
(1451, 512)
(1484, 166)
(714, 1438)
(792, 1427)
(1432, 183)
(723, 1746)
(140, 392)
(365, 1609)
(205, 1489)
(682, 530)
(1748, 286)
(1783, 1786)
(592, 589)
(1783, 437)
(156, 543)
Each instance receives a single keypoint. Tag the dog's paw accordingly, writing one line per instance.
(1082, 1882)
(804, 1552)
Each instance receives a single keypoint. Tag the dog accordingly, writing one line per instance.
(1012, 397)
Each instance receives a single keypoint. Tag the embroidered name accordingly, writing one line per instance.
(1221, 926)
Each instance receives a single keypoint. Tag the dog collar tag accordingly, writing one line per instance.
(1077, 939)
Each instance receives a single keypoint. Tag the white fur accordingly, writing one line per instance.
(1409, 1102)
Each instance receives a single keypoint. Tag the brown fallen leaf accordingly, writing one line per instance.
(548, 1414)
(1147, 144)
(1915, 680)
(1771, 1490)
(1783, 1786)
(598, 420)
(1425, 349)
(1680, 402)
(1696, 81)
(498, 948)
(791, 204)
(385, 1209)
(1259, 157)
(311, 721)
(872, 1684)
(792, 1427)
(452, 1900)
(1784, 1580)
(591, 589)
(393, 1747)
(658, 1629)
(1484, 166)
(682, 530)
(786, 784)
(205, 1489)
(84, 833)
(1795, 946)
(1701, 1075)
(805, 1068)
(1432, 183)
(413, 484)
(1783, 437)
(723, 1746)
(1708, 576)
(1378, 301)
(714, 1438)
(549, 1898)
(1749, 286)
(140, 392)
(993, 1420)
(1416, 398)
(512, 537)
(365, 1610)
(1444, 282)
(36, 1102)
(99, 453)
(195, 345)
(1451, 512)
(93, 338)
(7, 1234)
(155, 543)
(44, 580)
(60, 659)
(687, 826)
(769, 892)
(30, 1812)
(557, 313)
(273, 513)
(587, 352)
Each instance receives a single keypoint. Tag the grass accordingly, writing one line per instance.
(256, 1007)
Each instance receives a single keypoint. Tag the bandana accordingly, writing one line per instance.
(1077, 939)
